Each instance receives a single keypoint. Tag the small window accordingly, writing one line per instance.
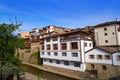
(42, 47)
(74, 45)
(63, 46)
(76, 64)
(99, 56)
(48, 47)
(45, 60)
(106, 41)
(64, 54)
(104, 67)
(57, 62)
(55, 54)
(85, 44)
(55, 46)
(92, 66)
(105, 29)
(66, 63)
(48, 40)
(50, 60)
(90, 44)
(91, 56)
(105, 34)
(118, 57)
(55, 38)
(113, 33)
(74, 54)
(42, 53)
(48, 53)
(107, 57)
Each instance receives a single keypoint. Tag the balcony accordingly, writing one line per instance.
(70, 38)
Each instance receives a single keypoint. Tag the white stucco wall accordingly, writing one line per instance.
(96, 52)
(115, 60)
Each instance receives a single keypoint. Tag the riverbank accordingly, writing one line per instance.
(75, 75)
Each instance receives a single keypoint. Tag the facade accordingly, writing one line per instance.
(66, 50)
(104, 60)
(24, 35)
(35, 44)
(107, 34)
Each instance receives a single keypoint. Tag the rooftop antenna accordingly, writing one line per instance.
(115, 19)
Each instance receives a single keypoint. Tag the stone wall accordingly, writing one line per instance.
(110, 71)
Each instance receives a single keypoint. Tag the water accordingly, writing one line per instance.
(32, 73)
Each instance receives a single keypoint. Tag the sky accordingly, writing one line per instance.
(62, 13)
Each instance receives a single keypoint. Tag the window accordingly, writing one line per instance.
(50, 60)
(85, 44)
(90, 44)
(76, 64)
(118, 57)
(57, 62)
(66, 63)
(105, 29)
(99, 56)
(42, 53)
(42, 47)
(74, 54)
(113, 33)
(48, 47)
(107, 57)
(55, 54)
(92, 66)
(55, 39)
(64, 54)
(48, 53)
(105, 34)
(48, 40)
(63, 46)
(106, 41)
(104, 67)
(91, 56)
(55, 47)
(74, 45)
(45, 60)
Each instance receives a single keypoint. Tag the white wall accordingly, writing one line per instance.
(115, 61)
(95, 60)
(61, 65)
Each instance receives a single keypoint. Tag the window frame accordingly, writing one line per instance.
(75, 54)
(74, 45)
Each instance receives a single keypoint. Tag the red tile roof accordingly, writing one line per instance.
(64, 33)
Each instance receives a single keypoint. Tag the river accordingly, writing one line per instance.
(32, 73)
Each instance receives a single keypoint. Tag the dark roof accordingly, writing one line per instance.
(64, 33)
(107, 23)
(110, 49)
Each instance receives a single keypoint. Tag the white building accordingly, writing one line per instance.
(107, 34)
(66, 50)
(105, 60)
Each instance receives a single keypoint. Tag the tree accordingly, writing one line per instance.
(9, 42)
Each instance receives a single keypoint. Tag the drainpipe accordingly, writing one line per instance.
(116, 35)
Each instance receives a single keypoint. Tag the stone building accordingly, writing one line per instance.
(105, 61)
(107, 34)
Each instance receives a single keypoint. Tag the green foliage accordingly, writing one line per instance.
(9, 43)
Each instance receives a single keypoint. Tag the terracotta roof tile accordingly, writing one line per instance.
(110, 49)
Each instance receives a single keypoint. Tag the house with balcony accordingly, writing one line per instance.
(66, 50)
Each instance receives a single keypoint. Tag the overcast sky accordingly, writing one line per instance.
(65, 13)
